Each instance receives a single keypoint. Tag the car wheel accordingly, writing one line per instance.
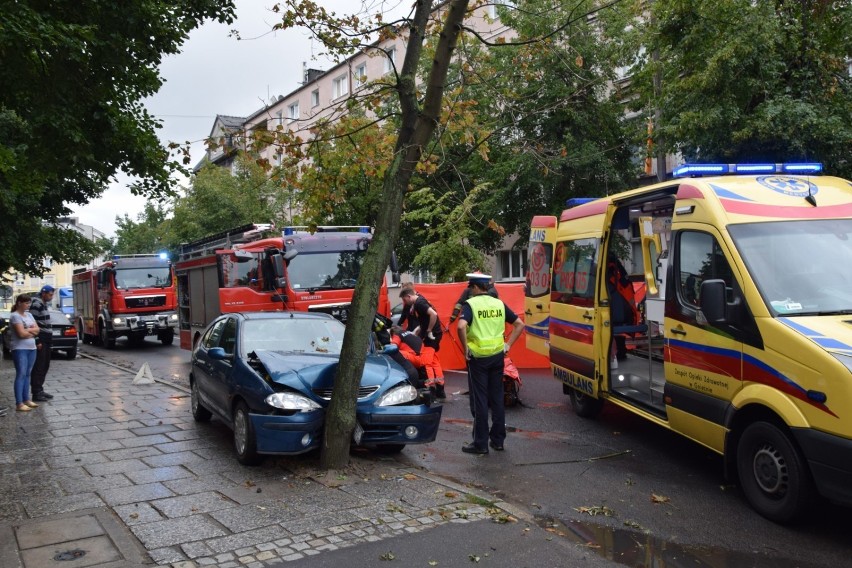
(772, 473)
(71, 353)
(584, 405)
(244, 441)
(199, 413)
(389, 448)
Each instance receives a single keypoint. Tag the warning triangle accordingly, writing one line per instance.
(144, 376)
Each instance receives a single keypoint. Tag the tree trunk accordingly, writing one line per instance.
(415, 130)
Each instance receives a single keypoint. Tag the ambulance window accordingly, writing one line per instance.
(699, 258)
(574, 269)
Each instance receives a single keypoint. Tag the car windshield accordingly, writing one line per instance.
(800, 267)
(158, 276)
(293, 335)
(325, 270)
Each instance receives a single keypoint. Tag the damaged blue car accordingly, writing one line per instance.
(270, 375)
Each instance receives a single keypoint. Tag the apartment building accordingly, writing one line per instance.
(323, 94)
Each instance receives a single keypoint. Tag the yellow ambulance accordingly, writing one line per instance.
(739, 334)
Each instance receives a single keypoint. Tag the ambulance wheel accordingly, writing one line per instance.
(773, 475)
(585, 405)
(245, 442)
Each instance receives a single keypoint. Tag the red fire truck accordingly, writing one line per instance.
(255, 268)
(132, 296)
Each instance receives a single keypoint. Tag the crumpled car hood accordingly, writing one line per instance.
(305, 372)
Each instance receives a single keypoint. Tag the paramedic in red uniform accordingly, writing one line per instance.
(481, 327)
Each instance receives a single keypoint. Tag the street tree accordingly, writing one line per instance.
(419, 114)
(72, 82)
(145, 234)
(744, 81)
(219, 198)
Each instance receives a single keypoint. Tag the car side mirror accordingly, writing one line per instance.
(218, 354)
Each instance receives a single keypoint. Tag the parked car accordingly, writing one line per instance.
(64, 335)
(270, 375)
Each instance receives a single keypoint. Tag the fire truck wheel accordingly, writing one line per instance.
(199, 413)
(584, 405)
(772, 473)
(107, 340)
(167, 338)
(244, 440)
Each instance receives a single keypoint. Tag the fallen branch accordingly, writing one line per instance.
(615, 455)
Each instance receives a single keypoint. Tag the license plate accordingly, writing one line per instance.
(358, 433)
(56, 332)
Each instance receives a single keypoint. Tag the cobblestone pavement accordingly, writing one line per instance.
(128, 462)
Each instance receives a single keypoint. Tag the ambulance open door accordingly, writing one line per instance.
(538, 282)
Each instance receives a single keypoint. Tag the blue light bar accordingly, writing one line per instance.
(288, 231)
(755, 168)
(806, 168)
(575, 201)
(164, 255)
(700, 169)
(364, 230)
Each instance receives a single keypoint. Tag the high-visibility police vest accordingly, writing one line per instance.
(485, 334)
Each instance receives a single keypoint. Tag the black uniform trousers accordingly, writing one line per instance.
(42, 365)
(486, 392)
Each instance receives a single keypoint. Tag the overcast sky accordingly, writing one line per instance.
(218, 74)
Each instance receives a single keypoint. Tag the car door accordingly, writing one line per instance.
(221, 370)
(202, 364)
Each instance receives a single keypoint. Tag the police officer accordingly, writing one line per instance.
(481, 326)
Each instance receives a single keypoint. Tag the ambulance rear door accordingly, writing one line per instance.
(537, 286)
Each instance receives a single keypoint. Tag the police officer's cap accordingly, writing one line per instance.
(478, 279)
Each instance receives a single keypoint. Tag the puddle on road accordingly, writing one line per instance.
(641, 550)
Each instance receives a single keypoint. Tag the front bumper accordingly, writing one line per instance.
(149, 324)
(288, 435)
(302, 432)
(830, 461)
(387, 424)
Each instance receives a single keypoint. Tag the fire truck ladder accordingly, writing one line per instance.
(224, 240)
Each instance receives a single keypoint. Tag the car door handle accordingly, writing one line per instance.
(528, 312)
(678, 331)
(588, 316)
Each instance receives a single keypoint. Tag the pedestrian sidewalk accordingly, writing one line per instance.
(115, 474)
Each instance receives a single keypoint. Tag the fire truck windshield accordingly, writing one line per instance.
(329, 270)
(151, 277)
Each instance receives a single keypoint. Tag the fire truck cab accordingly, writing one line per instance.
(129, 296)
(255, 268)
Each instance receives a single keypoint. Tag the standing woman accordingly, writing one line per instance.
(23, 346)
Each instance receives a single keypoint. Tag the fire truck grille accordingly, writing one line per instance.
(338, 312)
(363, 392)
(145, 302)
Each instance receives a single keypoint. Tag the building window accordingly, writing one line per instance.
(390, 59)
(360, 75)
(315, 98)
(293, 111)
(279, 118)
(340, 87)
(512, 263)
